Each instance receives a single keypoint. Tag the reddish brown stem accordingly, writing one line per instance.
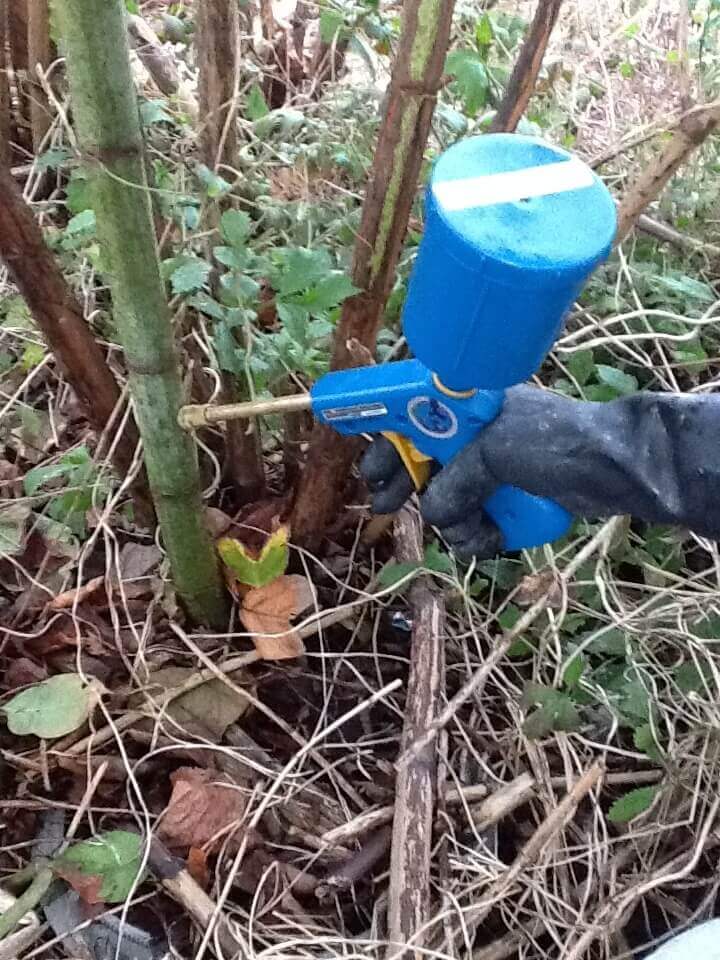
(410, 102)
(524, 77)
(60, 318)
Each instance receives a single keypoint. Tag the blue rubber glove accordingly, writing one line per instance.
(654, 456)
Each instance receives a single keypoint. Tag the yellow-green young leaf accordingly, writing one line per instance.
(114, 857)
(632, 804)
(256, 571)
(52, 708)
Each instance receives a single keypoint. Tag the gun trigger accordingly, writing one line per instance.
(416, 463)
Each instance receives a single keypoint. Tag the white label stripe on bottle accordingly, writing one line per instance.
(514, 185)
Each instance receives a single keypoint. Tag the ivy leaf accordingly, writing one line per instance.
(235, 227)
(114, 857)
(623, 383)
(472, 78)
(555, 711)
(581, 365)
(632, 804)
(189, 274)
(256, 104)
(51, 709)
(256, 571)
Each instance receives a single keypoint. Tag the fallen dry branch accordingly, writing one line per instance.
(478, 679)
(415, 786)
(694, 128)
(182, 887)
(525, 73)
(488, 811)
(531, 851)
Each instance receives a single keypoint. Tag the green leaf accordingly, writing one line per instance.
(153, 111)
(235, 227)
(328, 293)
(627, 70)
(393, 572)
(688, 678)
(189, 275)
(32, 355)
(332, 23)
(573, 671)
(624, 383)
(77, 194)
(116, 857)
(436, 560)
(13, 517)
(256, 571)
(83, 222)
(472, 78)
(632, 804)
(611, 642)
(132, 6)
(256, 104)
(52, 708)
(484, 35)
(644, 740)
(555, 711)
(581, 365)
(38, 476)
(299, 269)
(53, 159)
(206, 304)
(214, 185)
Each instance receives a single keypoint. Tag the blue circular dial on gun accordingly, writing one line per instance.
(513, 228)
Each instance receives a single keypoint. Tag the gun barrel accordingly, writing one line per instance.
(205, 414)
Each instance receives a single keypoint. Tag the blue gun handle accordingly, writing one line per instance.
(526, 520)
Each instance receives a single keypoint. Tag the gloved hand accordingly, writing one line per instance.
(652, 455)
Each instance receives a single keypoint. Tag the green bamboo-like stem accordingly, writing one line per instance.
(108, 129)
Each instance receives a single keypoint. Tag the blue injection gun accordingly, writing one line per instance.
(513, 228)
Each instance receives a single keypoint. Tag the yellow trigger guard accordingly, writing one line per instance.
(417, 464)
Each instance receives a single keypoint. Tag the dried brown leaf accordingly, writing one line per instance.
(88, 886)
(138, 559)
(70, 597)
(23, 671)
(201, 806)
(267, 611)
(533, 586)
(197, 866)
